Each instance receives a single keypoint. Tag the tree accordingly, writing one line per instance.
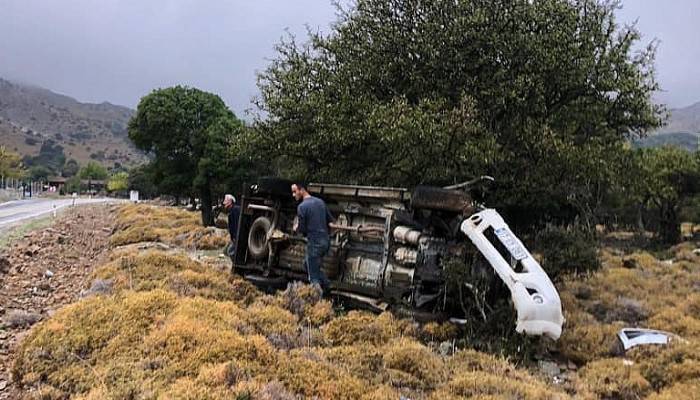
(39, 173)
(413, 91)
(50, 156)
(216, 163)
(11, 164)
(668, 175)
(188, 131)
(70, 168)
(118, 182)
(73, 184)
(93, 171)
(141, 178)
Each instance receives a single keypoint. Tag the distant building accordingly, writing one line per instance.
(57, 181)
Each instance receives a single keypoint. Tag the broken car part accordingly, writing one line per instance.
(632, 337)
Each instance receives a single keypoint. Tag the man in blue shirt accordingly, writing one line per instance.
(313, 221)
(234, 212)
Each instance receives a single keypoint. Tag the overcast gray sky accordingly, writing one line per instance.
(119, 50)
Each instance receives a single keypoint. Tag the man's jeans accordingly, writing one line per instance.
(315, 250)
(231, 250)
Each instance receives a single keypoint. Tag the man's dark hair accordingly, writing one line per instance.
(301, 185)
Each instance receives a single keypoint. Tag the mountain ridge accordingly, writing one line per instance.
(685, 119)
(31, 115)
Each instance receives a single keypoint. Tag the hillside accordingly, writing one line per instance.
(682, 130)
(685, 119)
(686, 140)
(31, 115)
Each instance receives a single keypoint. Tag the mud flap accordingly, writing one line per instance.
(535, 298)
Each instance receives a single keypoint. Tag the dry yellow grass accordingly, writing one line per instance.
(637, 290)
(146, 223)
(175, 328)
(614, 378)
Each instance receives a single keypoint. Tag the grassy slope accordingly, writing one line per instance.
(174, 328)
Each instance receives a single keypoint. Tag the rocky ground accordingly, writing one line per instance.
(44, 270)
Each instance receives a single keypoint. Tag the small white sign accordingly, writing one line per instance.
(134, 196)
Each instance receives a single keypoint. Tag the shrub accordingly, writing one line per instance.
(307, 373)
(482, 385)
(305, 302)
(21, 319)
(144, 223)
(614, 378)
(361, 327)
(414, 361)
(565, 250)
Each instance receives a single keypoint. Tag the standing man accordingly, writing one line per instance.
(313, 220)
(234, 211)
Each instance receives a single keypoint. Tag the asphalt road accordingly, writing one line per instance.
(12, 212)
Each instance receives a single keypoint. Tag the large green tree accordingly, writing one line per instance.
(189, 132)
(416, 91)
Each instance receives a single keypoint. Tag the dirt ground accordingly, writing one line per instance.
(45, 269)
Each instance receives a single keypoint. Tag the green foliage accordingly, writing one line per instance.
(406, 92)
(668, 176)
(72, 185)
(50, 156)
(118, 182)
(690, 210)
(93, 171)
(189, 132)
(218, 167)
(142, 178)
(570, 249)
(11, 164)
(39, 172)
(71, 168)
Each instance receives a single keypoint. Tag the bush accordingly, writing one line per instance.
(570, 249)
(614, 378)
(142, 223)
(361, 327)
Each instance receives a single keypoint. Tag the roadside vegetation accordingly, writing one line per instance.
(188, 329)
(172, 226)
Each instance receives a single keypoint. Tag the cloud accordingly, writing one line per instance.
(120, 50)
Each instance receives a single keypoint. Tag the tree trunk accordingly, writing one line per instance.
(205, 198)
(669, 226)
(640, 219)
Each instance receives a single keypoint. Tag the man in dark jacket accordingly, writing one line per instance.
(313, 221)
(234, 213)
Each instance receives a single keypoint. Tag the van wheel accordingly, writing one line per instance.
(257, 237)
